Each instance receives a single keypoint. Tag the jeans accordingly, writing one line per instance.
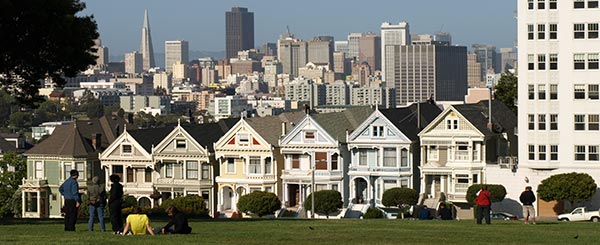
(92, 209)
(70, 214)
(483, 212)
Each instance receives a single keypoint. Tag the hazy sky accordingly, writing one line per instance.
(202, 22)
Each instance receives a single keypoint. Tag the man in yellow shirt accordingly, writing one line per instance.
(138, 223)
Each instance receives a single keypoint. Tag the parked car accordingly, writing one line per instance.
(503, 216)
(580, 214)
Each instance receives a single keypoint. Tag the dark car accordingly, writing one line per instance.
(503, 216)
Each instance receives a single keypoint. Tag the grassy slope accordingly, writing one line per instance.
(323, 231)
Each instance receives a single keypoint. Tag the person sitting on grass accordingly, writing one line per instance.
(138, 223)
(178, 223)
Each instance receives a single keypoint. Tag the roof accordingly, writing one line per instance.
(6, 146)
(503, 119)
(151, 136)
(270, 127)
(338, 123)
(406, 120)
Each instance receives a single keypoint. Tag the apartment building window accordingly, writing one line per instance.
(205, 174)
(593, 31)
(579, 31)
(593, 153)
(580, 152)
(530, 62)
(553, 152)
(553, 121)
(579, 122)
(334, 161)
(553, 61)
(130, 175)
(553, 91)
(531, 91)
(295, 161)
(321, 160)
(39, 170)
(452, 124)
(552, 4)
(530, 32)
(541, 4)
(541, 62)
(531, 150)
(169, 170)
(254, 165)
(579, 90)
(148, 175)
(191, 169)
(593, 122)
(378, 131)
(579, 4)
(593, 61)
(593, 91)
(230, 165)
(553, 34)
(403, 158)
(541, 91)
(541, 31)
(542, 152)
(529, 4)
(592, 4)
(362, 157)
(542, 122)
(432, 152)
(531, 121)
(268, 165)
(389, 157)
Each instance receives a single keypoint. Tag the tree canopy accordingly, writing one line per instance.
(506, 90)
(12, 170)
(260, 203)
(43, 39)
(326, 202)
(572, 187)
(498, 192)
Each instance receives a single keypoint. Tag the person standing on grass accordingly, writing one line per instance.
(483, 205)
(138, 223)
(114, 203)
(528, 198)
(70, 191)
(96, 203)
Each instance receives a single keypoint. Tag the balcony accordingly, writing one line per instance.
(172, 181)
(260, 177)
(35, 182)
(134, 185)
(508, 162)
(461, 156)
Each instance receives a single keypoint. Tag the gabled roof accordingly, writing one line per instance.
(337, 123)
(270, 127)
(209, 133)
(6, 146)
(151, 136)
(406, 119)
(503, 119)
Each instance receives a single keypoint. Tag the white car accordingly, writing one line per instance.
(580, 214)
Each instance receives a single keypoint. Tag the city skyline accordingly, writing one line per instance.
(119, 28)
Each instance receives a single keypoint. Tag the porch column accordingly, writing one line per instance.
(23, 207)
(219, 199)
(285, 196)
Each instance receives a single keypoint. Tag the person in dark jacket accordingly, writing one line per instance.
(483, 205)
(70, 191)
(444, 213)
(424, 213)
(114, 203)
(178, 223)
(527, 199)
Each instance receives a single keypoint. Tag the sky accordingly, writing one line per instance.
(202, 22)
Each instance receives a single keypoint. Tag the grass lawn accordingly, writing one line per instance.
(319, 231)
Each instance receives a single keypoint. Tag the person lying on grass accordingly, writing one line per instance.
(138, 223)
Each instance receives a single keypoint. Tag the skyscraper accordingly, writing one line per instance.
(146, 47)
(486, 56)
(370, 51)
(320, 50)
(292, 52)
(133, 62)
(176, 51)
(391, 36)
(353, 44)
(239, 31)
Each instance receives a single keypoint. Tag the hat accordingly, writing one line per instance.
(74, 172)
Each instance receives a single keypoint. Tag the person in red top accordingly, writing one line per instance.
(483, 205)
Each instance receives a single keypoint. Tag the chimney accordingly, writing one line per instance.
(306, 108)
(283, 128)
(97, 141)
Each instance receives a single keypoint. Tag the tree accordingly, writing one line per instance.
(572, 187)
(498, 192)
(399, 197)
(506, 90)
(260, 203)
(44, 39)
(326, 202)
(13, 169)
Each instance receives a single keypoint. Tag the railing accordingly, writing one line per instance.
(261, 177)
(379, 169)
(508, 162)
(35, 182)
(172, 181)
(461, 155)
(137, 185)
(461, 187)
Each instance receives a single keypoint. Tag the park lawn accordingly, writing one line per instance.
(292, 231)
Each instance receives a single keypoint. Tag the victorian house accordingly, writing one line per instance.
(385, 152)
(459, 143)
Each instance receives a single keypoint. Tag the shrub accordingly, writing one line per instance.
(259, 203)
(399, 197)
(326, 202)
(193, 205)
(129, 201)
(373, 213)
(572, 187)
(498, 192)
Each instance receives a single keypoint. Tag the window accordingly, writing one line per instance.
(553, 121)
(148, 175)
(126, 149)
(553, 91)
(580, 152)
(295, 161)
(541, 91)
(553, 34)
(593, 91)
(579, 4)
(180, 144)
(404, 183)
(531, 121)
(389, 157)
(118, 170)
(89, 170)
(433, 153)
(579, 91)
(592, 4)
(593, 153)
(579, 122)
(530, 32)
(39, 170)
(552, 4)
(553, 61)
(191, 169)
(529, 4)
(130, 175)
(530, 62)
(205, 174)
(541, 4)
(309, 135)
(593, 122)
(593, 31)
(268, 165)
(321, 160)
(462, 151)
(593, 61)
(31, 202)
(378, 131)
(254, 165)
(362, 157)
(403, 158)
(169, 170)
(579, 61)
(542, 152)
(541, 31)
(531, 149)
(452, 124)
(541, 62)
(541, 122)
(334, 187)
(579, 31)
(67, 169)
(334, 161)
(554, 153)
(531, 91)
(243, 138)
(230, 165)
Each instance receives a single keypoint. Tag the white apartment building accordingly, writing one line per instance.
(391, 36)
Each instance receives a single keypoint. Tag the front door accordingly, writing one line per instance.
(293, 194)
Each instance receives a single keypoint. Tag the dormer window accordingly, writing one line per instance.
(309, 135)
(452, 124)
(243, 138)
(180, 144)
(126, 149)
(378, 131)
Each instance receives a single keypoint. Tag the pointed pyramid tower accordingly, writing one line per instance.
(146, 47)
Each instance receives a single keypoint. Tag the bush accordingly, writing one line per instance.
(259, 203)
(400, 197)
(129, 201)
(498, 192)
(192, 205)
(572, 187)
(373, 213)
(326, 202)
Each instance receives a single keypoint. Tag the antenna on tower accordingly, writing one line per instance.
(288, 29)
(441, 28)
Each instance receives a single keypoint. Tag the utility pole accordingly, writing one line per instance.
(312, 188)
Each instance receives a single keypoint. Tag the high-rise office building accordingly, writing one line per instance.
(370, 51)
(292, 53)
(239, 31)
(269, 49)
(176, 51)
(392, 36)
(320, 50)
(134, 62)
(341, 46)
(474, 72)
(443, 37)
(486, 56)
(146, 47)
(101, 53)
(507, 59)
(353, 44)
